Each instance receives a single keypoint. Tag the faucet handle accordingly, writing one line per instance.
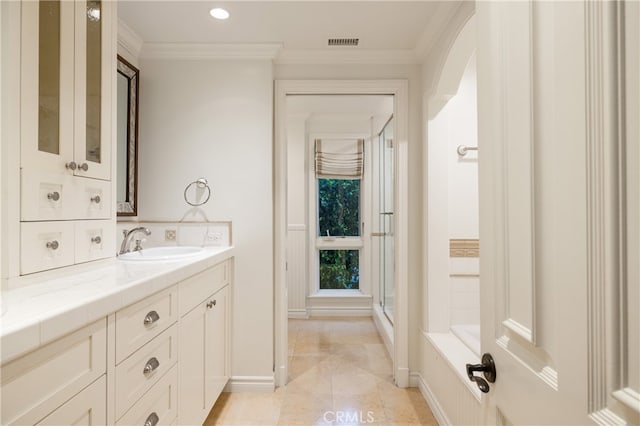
(125, 232)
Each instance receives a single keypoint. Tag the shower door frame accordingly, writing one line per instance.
(385, 222)
(400, 91)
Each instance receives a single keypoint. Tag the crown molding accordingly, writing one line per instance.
(346, 56)
(128, 39)
(209, 51)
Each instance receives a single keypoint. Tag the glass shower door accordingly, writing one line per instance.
(386, 206)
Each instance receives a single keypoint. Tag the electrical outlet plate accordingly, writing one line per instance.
(214, 236)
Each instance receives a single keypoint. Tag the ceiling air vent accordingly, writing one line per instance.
(343, 41)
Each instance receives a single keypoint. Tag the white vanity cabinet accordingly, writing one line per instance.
(67, 69)
(162, 360)
(60, 383)
(204, 335)
(146, 351)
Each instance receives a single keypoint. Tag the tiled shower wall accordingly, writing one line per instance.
(464, 290)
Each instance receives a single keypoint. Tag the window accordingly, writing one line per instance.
(339, 269)
(338, 217)
(336, 209)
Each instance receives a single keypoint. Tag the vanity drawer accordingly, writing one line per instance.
(93, 199)
(46, 196)
(36, 384)
(94, 240)
(87, 408)
(61, 196)
(159, 402)
(46, 245)
(195, 289)
(142, 321)
(136, 374)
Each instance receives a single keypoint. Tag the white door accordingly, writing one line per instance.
(554, 306)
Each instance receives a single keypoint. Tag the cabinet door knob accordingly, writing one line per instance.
(96, 239)
(71, 165)
(84, 167)
(53, 245)
(152, 420)
(54, 196)
(150, 318)
(96, 199)
(151, 366)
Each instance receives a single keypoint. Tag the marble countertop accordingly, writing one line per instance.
(60, 302)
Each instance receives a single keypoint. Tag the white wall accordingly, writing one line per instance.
(296, 174)
(213, 119)
(461, 112)
(412, 73)
(297, 215)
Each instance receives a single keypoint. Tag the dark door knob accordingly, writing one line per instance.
(488, 368)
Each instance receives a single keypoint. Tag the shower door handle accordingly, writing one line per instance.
(488, 368)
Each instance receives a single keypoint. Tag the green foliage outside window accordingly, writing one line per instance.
(339, 207)
(339, 269)
(339, 216)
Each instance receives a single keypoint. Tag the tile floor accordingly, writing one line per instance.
(339, 374)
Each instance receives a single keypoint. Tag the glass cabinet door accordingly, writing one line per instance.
(47, 84)
(65, 87)
(94, 79)
(93, 83)
(49, 77)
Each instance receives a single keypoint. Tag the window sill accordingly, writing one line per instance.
(334, 243)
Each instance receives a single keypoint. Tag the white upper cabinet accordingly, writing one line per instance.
(66, 87)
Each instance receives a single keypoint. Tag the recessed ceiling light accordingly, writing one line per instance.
(219, 13)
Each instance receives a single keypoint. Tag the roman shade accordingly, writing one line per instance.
(339, 158)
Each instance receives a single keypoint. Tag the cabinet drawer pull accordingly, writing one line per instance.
(71, 165)
(152, 420)
(96, 199)
(84, 167)
(53, 245)
(54, 196)
(151, 318)
(96, 239)
(151, 366)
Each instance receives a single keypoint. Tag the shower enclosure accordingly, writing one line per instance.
(385, 210)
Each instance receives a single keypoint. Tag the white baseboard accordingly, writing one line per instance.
(258, 384)
(332, 304)
(428, 395)
(402, 377)
(339, 312)
(298, 314)
(414, 379)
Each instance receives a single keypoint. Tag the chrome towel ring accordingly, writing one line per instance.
(200, 183)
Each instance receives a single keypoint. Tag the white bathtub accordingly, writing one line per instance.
(469, 334)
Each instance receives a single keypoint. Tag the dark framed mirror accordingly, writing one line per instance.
(127, 140)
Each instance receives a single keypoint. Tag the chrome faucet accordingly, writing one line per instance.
(128, 236)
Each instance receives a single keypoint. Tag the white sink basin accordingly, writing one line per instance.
(161, 253)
